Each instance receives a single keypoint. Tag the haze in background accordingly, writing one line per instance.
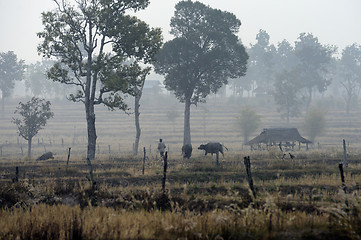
(332, 21)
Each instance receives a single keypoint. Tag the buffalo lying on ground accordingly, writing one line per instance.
(212, 147)
(187, 150)
(46, 156)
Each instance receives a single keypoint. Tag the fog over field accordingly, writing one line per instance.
(270, 30)
(168, 119)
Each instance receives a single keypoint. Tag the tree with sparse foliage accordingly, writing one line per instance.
(34, 116)
(287, 94)
(99, 48)
(315, 123)
(204, 54)
(11, 70)
(261, 61)
(314, 59)
(349, 73)
(248, 122)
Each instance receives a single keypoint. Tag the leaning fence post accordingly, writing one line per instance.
(344, 154)
(16, 179)
(247, 163)
(67, 161)
(340, 167)
(164, 171)
(143, 160)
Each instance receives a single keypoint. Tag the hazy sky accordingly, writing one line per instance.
(334, 22)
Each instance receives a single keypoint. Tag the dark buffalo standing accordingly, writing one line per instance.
(187, 150)
(46, 156)
(213, 147)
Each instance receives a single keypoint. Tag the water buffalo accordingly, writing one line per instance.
(46, 156)
(187, 150)
(212, 147)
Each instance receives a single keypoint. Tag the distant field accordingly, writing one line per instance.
(213, 121)
(301, 198)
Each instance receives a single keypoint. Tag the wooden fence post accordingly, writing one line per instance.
(67, 161)
(340, 167)
(344, 154)
(16, 179)
(143, 160)
(247, 163)
(165, 158)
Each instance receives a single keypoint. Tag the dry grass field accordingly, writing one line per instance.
(213, 121)
(301, 198)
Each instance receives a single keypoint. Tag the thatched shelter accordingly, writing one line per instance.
(279, 136)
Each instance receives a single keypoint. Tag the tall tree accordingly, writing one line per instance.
(313, 58)
(99, 49)
(203, 55)
(287, 94)
(349, 72)
(11, 70)
(285, 57)
(261, 62)
(35, 114)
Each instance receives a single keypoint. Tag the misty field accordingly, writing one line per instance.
(300, 198)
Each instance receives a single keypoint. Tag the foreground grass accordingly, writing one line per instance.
(65, 222)
(296, 199)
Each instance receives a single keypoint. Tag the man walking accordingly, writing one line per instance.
(161, 147)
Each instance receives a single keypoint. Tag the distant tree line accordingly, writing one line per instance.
(292, 74)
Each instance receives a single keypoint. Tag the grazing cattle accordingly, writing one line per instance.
(187, 150)
(46, 156)
(212, 147)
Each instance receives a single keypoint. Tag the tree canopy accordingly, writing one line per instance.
(204, 54)
(99, 49)
(313, 58)
(11, 70)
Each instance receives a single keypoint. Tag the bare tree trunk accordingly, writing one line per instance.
(187, 125)
(2, 105)
(138, 95)
(137, 125)
(348, 103)
(308, 104)
(90, 89)
(29, 147)
(92, 137)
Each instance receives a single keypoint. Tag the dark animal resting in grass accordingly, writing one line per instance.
(212, 147)
(187, 151)
(46, 156)
(292, 156)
